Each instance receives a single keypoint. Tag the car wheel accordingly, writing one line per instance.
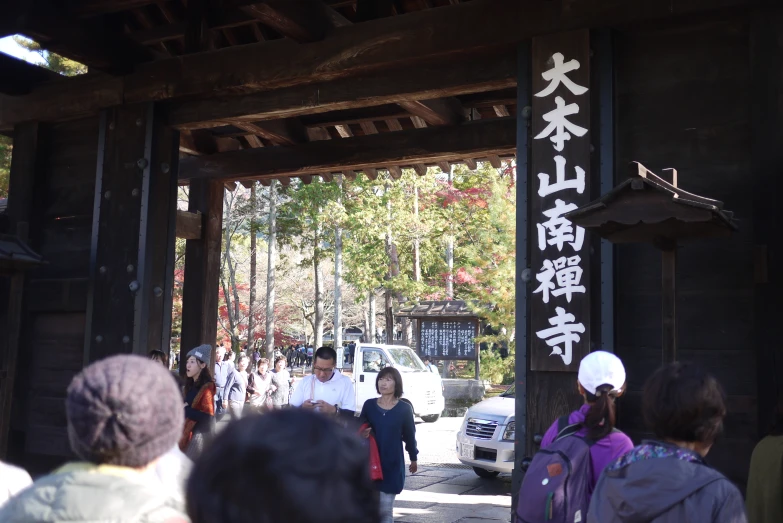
(431, 419)
(484, 473)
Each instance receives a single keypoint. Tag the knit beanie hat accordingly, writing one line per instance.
(124, 410)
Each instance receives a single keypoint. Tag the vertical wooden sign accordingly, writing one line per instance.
(560, 302)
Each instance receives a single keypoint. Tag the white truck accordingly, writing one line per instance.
(421, 388)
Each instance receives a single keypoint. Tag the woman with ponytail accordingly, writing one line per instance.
(601, 380)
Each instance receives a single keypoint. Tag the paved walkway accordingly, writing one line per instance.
(444, 490)
(446, 494)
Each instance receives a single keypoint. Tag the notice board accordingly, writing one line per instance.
(448, 339)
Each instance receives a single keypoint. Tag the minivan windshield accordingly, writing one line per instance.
(406, 359)
(510, 393)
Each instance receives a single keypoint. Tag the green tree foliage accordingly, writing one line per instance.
(55, 62)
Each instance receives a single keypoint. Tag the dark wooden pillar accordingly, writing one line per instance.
(523, 272)
(202, 269)
(766, 163)
(133, 235)
(603, 103)
(25, 166)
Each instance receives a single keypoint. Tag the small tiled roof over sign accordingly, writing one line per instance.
(15, 255)
(429, 309)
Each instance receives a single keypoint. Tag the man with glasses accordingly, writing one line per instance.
(326, 390)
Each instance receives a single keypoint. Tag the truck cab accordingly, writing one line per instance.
(421, 388)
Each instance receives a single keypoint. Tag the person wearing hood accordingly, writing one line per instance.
(601, 380)
(667, 479)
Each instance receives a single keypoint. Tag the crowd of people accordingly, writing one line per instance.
(151, 450)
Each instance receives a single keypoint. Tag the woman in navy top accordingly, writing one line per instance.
(391, 423)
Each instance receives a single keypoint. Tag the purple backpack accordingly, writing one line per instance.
(555, 486)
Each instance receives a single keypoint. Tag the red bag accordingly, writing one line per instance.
(376, 473)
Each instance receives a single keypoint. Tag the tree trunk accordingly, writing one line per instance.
(387, 302)
(251, 320)
(270, 273)
(366, 336)
(450, 255)
(373, 317)
(416, 240)
(318, 316)
(338, 274)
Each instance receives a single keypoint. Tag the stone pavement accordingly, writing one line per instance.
(451, 494)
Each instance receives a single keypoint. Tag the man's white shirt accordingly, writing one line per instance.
(337, 391)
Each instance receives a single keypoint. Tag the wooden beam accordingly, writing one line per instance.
(72, 97)
(494, 160)
(281, 132)
(198, 36)
(87, 8)
(488, 26)
(500, 110)
(299, 20)
(445, 167)
(344, 131)
(349, 175)
(488, 99)
(394, 125)
(327, 177)
(306, 179)
(471, 164)
(354, 116)
(431, 145)
(202, 268)
(356, 49)
(315, 134)
(436, 112)
(371, 173)
(418, 122)
(19, 77)
(284, 181)
(187, 143)
(395, 172)
(420, 169)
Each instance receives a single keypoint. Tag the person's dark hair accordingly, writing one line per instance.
(278, 456)
(262, 361)
(682, 402)
(395, 374)
(280, 358)
(426, 358)
(159, 355)
(601, 419)
(325, 353)
(204, 377)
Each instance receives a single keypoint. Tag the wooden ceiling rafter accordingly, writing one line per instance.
(144, 22)
(500, 110)
(302, 21)
(438, 111)
(391, 150)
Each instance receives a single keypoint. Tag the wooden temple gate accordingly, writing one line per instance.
(211, 93)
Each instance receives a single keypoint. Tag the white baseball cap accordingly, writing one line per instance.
(601, 368)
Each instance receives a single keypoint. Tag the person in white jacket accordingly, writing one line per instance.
(12, 481)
